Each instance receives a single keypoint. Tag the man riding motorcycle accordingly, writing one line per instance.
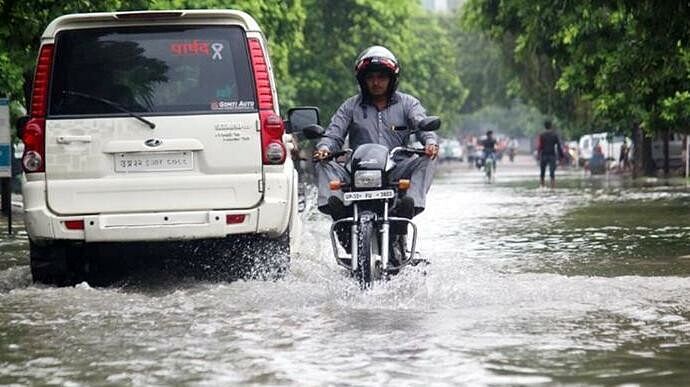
(488, 148)
(375, 115)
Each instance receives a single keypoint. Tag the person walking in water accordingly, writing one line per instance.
(548, 148)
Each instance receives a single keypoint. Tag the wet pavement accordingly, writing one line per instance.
(585, 284)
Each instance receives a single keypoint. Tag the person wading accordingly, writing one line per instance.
(549, 152)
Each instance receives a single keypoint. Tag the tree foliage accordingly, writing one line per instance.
(482, 67)
(596, 63)
(313, 44)
(338, 30)
(493, 87)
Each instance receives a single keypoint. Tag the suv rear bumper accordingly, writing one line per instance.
(272, 217)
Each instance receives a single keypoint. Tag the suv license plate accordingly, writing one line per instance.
(153, 162)
(369, 195)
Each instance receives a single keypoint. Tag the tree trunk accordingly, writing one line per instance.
(637, 156)
(666, 161)
(647, 160)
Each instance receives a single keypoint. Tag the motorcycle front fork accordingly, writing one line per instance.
(384, 229)
(385, 236)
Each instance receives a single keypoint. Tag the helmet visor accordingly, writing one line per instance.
(377, 64)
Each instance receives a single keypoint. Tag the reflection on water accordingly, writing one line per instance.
(638, 230)
(13, 247)
(587, 284)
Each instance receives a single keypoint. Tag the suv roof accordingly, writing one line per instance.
(85, 20)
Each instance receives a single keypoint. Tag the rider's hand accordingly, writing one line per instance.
(320, 154)
(431, 151)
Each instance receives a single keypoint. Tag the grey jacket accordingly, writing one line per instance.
(364, 124)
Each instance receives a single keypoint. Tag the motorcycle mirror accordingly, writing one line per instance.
(313, 132)
(429, 124)
(301, 117)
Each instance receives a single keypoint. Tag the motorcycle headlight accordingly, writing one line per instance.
(368, 179)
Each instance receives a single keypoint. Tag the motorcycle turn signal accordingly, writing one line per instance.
(335, 185)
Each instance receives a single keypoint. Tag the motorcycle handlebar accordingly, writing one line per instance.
(393, 152)
(408, 150)
(335, 155)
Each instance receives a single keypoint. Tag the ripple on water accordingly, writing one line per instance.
(516, 294)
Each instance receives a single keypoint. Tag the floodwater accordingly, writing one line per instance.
(588, 284)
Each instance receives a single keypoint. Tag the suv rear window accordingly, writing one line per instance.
(176, 69)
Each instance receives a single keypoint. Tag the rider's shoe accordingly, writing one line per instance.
(397, 251)
(421, 263)
(344, 234)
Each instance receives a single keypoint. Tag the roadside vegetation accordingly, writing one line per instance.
(619, 66)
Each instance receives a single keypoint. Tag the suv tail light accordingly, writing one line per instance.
(33, 136)
(77, 224)
(34, 145)
(272, 148)
(234, 219)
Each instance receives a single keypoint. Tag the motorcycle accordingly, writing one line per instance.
(488, 163)
(372, 197)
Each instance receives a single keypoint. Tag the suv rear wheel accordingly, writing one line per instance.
(58, 263)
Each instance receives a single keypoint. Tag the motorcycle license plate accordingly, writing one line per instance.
(369, 195)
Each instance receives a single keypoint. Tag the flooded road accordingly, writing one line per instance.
(585, 284)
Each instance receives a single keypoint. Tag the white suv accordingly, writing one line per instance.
(154, 126)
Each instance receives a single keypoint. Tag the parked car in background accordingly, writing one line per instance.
(451, 150)
(675, 150)
(610, 146)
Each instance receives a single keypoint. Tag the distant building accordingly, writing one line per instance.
(442, 5)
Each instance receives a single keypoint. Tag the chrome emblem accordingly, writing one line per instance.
(153, 142)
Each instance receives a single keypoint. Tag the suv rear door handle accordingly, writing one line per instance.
(71, 139)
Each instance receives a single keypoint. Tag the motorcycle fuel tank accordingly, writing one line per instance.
(369, 157)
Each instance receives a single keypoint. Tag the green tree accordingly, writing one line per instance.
(431, 73)
(482, 67)
(336, 31)
(524, 31)
(313, 44)
(596, 63)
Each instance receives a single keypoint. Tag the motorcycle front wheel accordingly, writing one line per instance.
(367, 269)
(489, 167)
